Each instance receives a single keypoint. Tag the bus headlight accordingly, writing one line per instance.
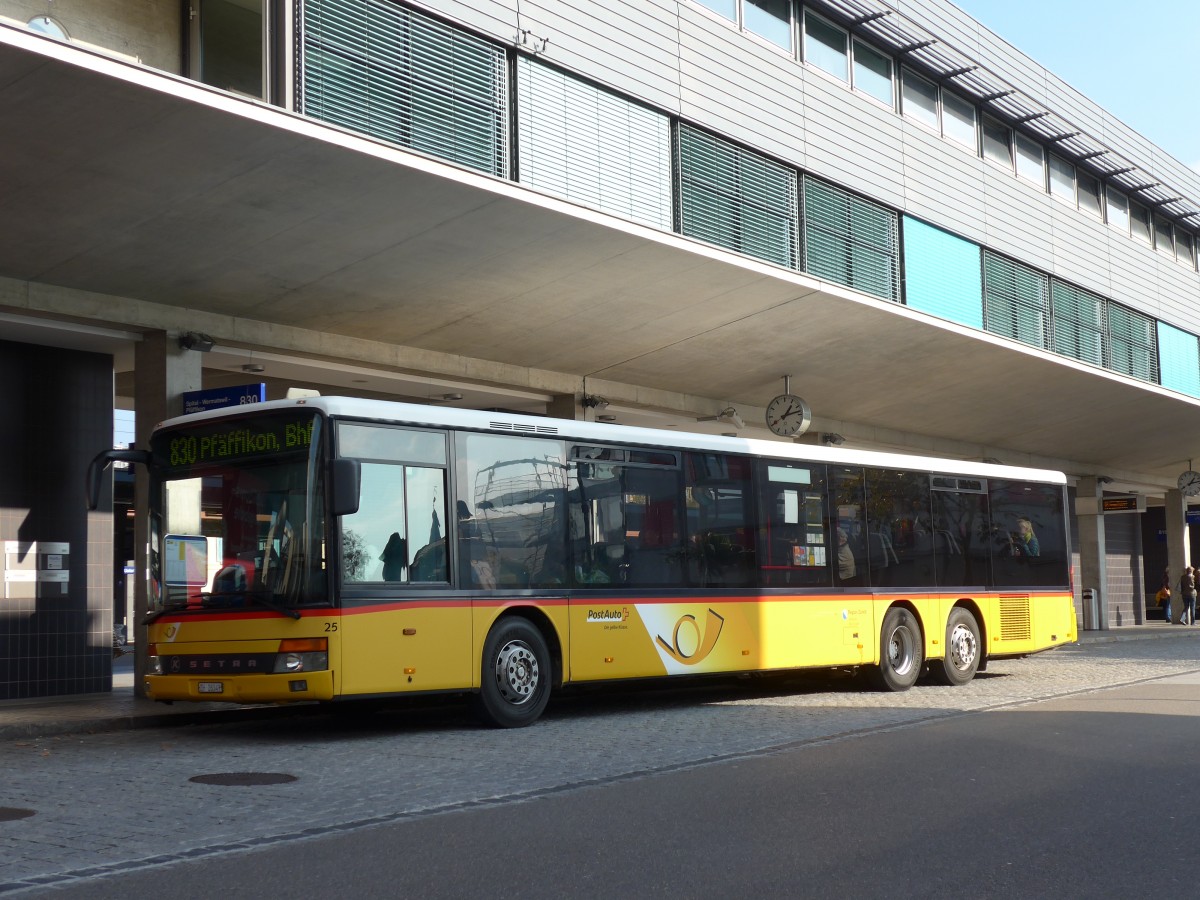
(301, 655)
(289, 663)
(154, 664)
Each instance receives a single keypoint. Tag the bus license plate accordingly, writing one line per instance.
(212, 687)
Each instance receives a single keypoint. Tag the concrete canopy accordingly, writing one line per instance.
(118, 180)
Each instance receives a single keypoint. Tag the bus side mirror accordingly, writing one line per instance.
(100, 462)
(345, 476)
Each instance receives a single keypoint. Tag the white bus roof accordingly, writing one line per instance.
(603, 432)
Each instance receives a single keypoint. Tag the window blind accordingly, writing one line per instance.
(1132, 348)
(589, 145)
(381, 69)
(850, 240)
(1015, 300)
(736, 199)
(1078, 323)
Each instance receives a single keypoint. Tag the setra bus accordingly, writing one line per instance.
(330, 548)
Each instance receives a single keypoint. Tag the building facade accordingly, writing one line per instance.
(671, 206)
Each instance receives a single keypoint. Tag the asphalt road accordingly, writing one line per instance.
(1042, 779)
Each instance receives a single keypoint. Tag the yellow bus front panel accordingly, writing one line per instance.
(243, 659)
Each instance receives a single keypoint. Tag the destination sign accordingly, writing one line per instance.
(220, 442)
(1119, 504)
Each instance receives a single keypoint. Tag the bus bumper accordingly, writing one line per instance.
(285, 688)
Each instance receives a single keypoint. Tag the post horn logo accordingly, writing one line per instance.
(700, 644)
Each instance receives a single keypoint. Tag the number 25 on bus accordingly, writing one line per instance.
(328, 549)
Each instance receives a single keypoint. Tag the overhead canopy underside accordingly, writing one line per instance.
(121, 181)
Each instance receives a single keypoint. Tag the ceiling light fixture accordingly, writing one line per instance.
(195, 340)
(728, 414)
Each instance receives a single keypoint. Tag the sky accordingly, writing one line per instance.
(1138, 62)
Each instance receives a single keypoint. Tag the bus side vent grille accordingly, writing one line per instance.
(1014, 617)
(524, 429)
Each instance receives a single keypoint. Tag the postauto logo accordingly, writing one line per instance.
(690, 644)
(608, 616)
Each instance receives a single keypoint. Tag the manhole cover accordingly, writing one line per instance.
(11, 813)
(244, 779)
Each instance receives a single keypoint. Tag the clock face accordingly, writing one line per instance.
(1189, 483)
(788, 415)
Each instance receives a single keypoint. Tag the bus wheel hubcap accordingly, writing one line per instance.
(962, 647)
(516, 672)
(900, 651)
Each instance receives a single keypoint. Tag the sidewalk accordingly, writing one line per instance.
(120, 709)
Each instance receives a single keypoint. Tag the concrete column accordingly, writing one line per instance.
(568, 406)
(162, 372)
(1093, 571)
(1178, 546)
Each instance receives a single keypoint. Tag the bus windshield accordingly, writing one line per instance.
(237, 515)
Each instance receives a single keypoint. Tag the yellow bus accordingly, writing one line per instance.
(330, 549)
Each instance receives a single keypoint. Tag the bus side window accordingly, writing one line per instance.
(1028, 534)
(399, 534)
(796, 547)
(849, 527)
(720, 520)
(510, 511)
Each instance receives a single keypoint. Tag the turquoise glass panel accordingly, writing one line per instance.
(942, 274)
(1179, 360)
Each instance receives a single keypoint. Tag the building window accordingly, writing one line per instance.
(1062, 179)
(1031, 160)
(770, 19)
(736, 199)
(1141, 222)
(1078, 323)
(850, 241)
(919, 98)
(1132, 349)
(1089, 193)
(1164, 239)
(826, 46)
(726, 8)
(1118, 210)
(1015, 301)
(1185, 248)
(591, 146)
(997, 142)
(958, 120)
(397, 75)
(873, 73)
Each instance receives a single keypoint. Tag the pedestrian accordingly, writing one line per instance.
(1164, 595)
(1187, 596)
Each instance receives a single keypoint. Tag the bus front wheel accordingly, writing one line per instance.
(514, 682)
(901, 650)
(963, 649)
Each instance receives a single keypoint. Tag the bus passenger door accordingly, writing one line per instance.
(401, 629)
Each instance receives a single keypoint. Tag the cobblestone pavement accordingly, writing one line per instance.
(119, 801)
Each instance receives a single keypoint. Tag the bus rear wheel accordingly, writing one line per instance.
(901, 650)
(514, 682)
(963, 649)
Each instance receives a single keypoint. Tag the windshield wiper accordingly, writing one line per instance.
(262, 597)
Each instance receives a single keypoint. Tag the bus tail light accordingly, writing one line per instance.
(302, 655)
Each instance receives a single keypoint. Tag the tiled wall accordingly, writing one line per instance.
(55, 628)
(1123, 562)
